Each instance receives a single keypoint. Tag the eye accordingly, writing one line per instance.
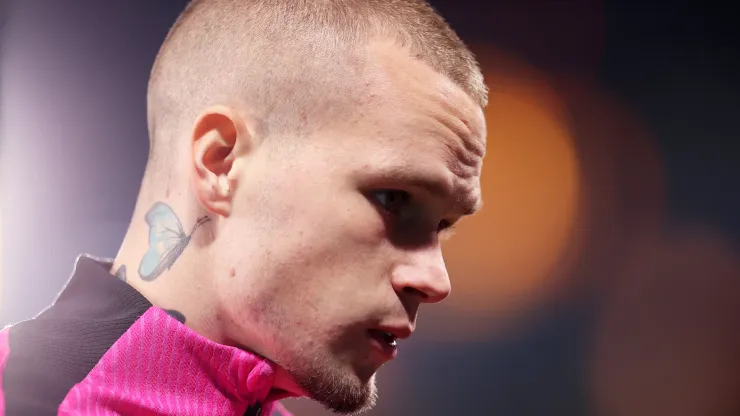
(391, 201)
(445, 230)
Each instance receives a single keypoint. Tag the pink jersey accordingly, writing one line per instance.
(155, 365)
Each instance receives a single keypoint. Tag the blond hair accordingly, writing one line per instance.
(291, 61)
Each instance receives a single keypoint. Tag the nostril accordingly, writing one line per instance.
(416, 292)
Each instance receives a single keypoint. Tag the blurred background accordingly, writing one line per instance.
(603, 275)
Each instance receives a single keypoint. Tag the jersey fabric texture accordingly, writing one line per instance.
(103, 349)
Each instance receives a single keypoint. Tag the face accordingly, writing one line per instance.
(333, 243)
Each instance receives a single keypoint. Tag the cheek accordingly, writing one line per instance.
(330, 254)
(322, 219)
(311, 243)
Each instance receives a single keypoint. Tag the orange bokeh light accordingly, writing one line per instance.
(509, 254)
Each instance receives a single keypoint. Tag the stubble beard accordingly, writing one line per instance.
(337, 389)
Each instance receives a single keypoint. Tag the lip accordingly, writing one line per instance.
(398, 331)
(381, 345)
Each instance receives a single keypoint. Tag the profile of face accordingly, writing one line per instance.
(332, 242)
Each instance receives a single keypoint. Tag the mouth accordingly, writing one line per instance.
(385, 342)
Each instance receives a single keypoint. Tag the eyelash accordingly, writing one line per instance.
(443, 226)
(406, 197)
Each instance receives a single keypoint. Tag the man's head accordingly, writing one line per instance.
(331, 142)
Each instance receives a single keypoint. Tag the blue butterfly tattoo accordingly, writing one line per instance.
(167, 240)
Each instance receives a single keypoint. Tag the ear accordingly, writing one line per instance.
(219, 135)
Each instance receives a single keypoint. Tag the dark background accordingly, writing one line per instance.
(75, 144)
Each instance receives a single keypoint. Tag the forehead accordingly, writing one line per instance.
(411, 122)
(411, 84)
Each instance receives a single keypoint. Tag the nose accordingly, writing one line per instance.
(423, 274)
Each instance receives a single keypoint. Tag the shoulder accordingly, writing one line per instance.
(46, 356)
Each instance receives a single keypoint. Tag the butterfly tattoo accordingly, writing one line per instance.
(167, 240)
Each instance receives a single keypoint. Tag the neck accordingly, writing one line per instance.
(184, 286)
(162, 259)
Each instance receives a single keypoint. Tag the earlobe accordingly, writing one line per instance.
(216, 135)
(224, 186)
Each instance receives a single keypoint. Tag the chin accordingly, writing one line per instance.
(341, 392)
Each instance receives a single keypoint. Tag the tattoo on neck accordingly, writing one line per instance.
(167, 240)
(121, 272)
(176, 314)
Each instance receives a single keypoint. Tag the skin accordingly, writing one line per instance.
(311, 245)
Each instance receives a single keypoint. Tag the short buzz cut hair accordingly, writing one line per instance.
(288, 60)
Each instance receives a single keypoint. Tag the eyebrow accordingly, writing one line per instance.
(435, 187)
